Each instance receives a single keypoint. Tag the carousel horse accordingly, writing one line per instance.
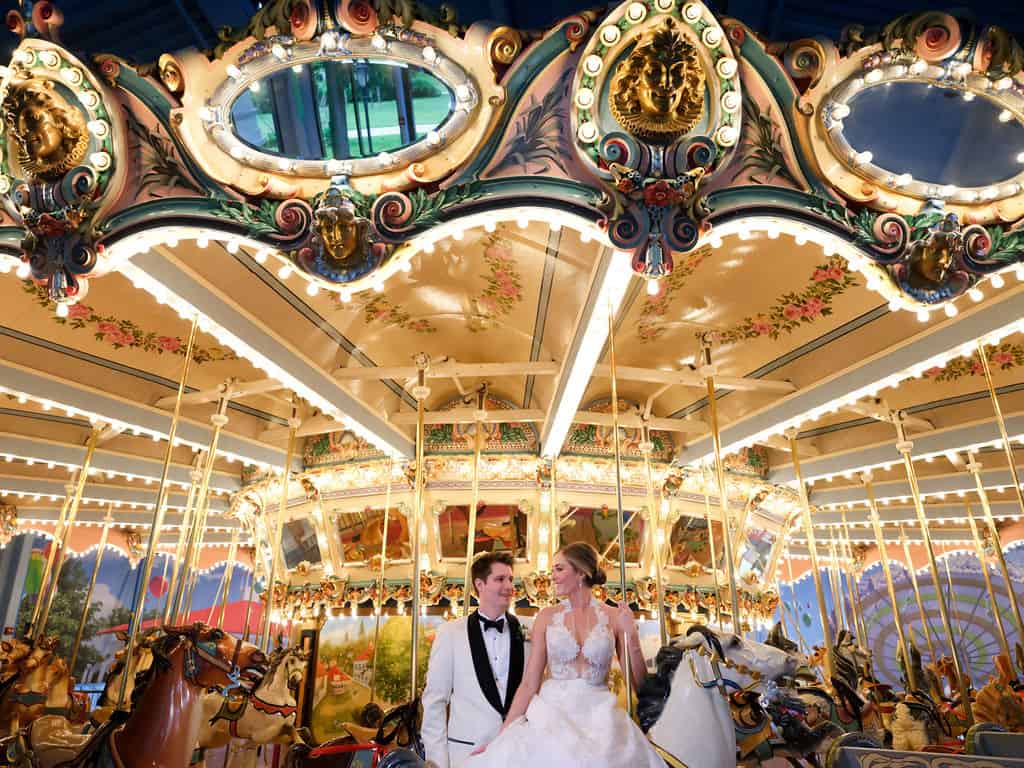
(26, 697)
(142, 656)
(395, 743)
(997, 702)
(164, 722)
(263, 715)
(700, 712)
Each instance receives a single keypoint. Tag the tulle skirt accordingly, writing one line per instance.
(570, 724)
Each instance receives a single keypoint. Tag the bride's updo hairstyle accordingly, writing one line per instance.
(585, 560)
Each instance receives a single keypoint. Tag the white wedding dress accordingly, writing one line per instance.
(574, 721)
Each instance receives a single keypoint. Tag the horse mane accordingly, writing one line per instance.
(777, 639)
(654, 691)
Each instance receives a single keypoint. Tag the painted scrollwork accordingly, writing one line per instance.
(8, 523)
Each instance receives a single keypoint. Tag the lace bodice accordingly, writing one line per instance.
(568, 661)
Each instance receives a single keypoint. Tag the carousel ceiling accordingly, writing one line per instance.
(826, 289)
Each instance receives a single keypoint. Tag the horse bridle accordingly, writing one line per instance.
(720, 681)
(210, 656)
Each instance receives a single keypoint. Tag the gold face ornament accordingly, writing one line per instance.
(49, 134)
(657, 93)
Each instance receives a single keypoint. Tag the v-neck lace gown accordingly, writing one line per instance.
(574, 721)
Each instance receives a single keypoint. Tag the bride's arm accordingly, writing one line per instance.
(625, 626)
(533, 675)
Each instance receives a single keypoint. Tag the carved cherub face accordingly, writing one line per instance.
(341, 231)
(49, 133)
(657, 93)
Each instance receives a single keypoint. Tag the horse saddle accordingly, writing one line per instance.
(53, 742)
(361, 734)
(231, 709)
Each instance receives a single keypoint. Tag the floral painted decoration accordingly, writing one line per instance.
(1003, 357)
(379, 308)
(651, 324)
(504, 285)
(792, 310)
(122, 334)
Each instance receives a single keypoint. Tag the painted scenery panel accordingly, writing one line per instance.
(499, 528)
(362, 533)
(599, 526)
(690, 542)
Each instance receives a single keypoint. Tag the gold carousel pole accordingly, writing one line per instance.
(838, 598)
(979, 550)
(158, 520)
(925, 625)
(620, 513)
(101, 547)
(890, 585)
(478, 428)
(380, 579)
(658, 532)
(813, 549)
(708, 372)
(44, 582)
(183, 533)
(711, 544)
(229, 570)
(956, 613)
(905, 446)
(69, 523)
(1007, 447)
(421, 392)
(276, 529)
(851, 582)
(974, 467)
(796, 613)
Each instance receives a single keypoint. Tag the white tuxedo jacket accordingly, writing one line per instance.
(462, 706)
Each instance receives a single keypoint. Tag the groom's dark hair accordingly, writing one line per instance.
(482, 563)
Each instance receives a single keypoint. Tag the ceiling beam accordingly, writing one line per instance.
(137, 418)
(32, 487)
(691, 378)
(237, 389)
(122, 517)
(998, 316)
(167, 278)
(900, 489)
(903, 513)
(974, 434)
(71, 456)
(448, 369)
(609, 282)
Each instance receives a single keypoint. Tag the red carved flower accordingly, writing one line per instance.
(168, 343)
(48, 226)
(78, 311)
(661, 193)
(793, 311)
(625, 184)
(812, 307)
(761, 327)
(107, 328)
(1002, 359)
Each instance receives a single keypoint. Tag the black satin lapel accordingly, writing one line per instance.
(482, 664)
(516, 659)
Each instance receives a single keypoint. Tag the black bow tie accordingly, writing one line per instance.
(498, 624)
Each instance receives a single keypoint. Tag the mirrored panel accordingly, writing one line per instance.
(499, 528)
(599, 527)
(298, 543)
(755, 551)
(362, 533)
(340, 109)
(690, 543)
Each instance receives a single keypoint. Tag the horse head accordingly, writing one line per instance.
(752, 661)
(295, 662)
(209, 653)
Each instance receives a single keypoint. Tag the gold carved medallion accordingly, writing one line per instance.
(48, 134)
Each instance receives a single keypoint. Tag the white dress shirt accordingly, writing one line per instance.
(499, 646)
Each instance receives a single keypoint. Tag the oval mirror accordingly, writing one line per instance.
(935, 134)
(340, 109)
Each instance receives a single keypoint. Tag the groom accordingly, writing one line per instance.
(464, 705)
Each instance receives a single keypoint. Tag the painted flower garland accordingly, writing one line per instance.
(503, 284)
(122, 334)
(379, 308)
(1004, 357)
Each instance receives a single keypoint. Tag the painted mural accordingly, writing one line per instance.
(499, 528)
(598, 526)
(362, 533)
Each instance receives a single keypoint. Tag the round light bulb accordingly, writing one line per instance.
(62, 309)
(23, 271)
(997, 281)
(652, 288)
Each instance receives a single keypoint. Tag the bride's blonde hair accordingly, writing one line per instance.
(585, 560)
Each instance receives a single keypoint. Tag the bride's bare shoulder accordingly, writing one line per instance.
(544, 615)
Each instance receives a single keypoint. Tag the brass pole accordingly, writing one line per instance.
(957, 615)
(925, 624)
(708, 372)
(478, 428)
(380, 578)
(158, 521)
(277, 527)
(658, 535)
(421, 392)
(711, 543)
(851, 583)
(252, 594)
(183, 533)
(229, 571)
(796, 612)
(890, 585)
(101, 547)
(905, 446)
(554, 524)
(835, 584)
(620, 512)
(813, 549)
(974, 467)
(69, 523)
(979, 550)
(44, 582)
(1007, 447)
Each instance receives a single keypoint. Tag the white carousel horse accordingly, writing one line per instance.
(265, 715)
(691, 720)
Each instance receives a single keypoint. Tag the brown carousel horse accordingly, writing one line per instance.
(163, 725)
(34, 674)
(998, 701)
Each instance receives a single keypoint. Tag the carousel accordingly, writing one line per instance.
(295, 326)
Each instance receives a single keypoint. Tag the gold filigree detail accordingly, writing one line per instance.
(49, 133)
(503, 45)
(657, 93)
(170, 73)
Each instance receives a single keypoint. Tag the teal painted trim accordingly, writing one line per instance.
(564, 192)
(155, 101)
(516, 85)
(157, 213)
(781, 87)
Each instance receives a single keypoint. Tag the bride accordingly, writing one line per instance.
(573, 718)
